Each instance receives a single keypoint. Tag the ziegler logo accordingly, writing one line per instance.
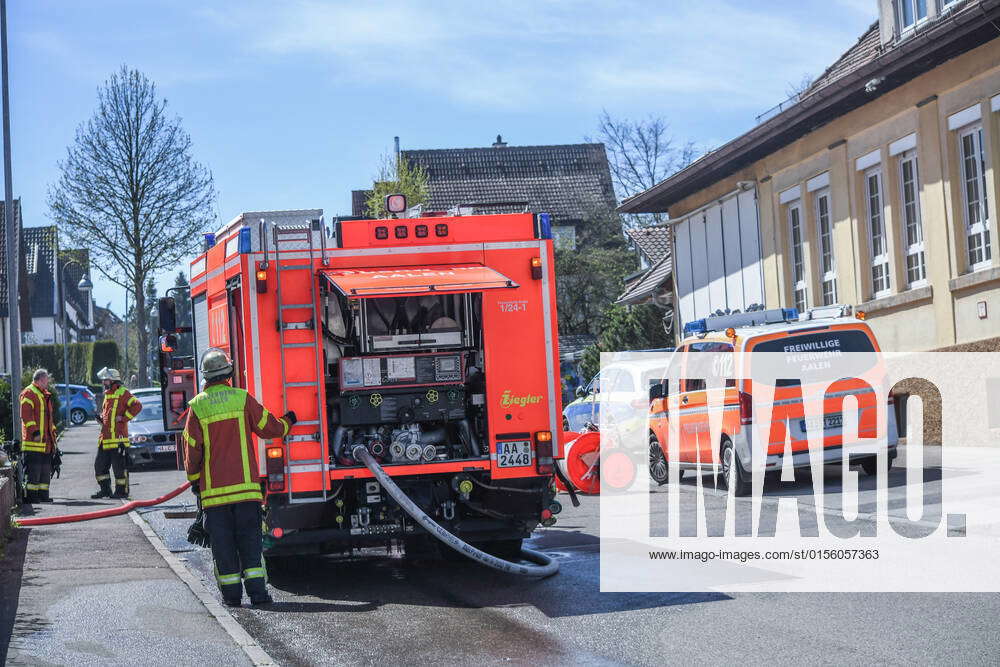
(508, 399)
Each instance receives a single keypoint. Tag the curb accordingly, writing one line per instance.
(253, 650)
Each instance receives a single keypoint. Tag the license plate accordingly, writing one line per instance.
(164, 448)
(513, 454)
(826, 423)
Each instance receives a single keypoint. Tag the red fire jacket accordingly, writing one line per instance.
(218, 451)
(38, 426)
(118, 408)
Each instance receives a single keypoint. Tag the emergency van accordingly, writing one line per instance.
(737, 340)
(429, 342)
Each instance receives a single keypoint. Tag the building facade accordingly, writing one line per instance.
(876, 187)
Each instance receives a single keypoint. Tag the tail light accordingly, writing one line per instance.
(261, 277)
(275, 469)
(543, 453)
(87, 395)
(536, 268)
(746, 408)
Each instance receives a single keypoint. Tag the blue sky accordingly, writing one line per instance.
(292, 103)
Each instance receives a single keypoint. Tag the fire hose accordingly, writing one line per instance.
(101, 514)
(543, 566)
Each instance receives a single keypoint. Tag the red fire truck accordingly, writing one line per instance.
(430, 342)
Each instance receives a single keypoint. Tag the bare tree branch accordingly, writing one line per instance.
(641, 154)
(130, 191)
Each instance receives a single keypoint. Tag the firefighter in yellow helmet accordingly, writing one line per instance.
(221, 463)
(38, 436)
(119, 407)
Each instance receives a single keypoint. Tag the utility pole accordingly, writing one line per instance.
(13, 308)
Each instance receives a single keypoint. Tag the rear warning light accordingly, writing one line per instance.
(420, 231)
(402, 232)
(395, 203)
(746, 408)
(277, 532)
(275, 468)
(381, 233)
(441, 230)
(274, 452)
(536, 268)
(543, 453)
(261, 277)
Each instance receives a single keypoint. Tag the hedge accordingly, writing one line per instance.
(85, 359)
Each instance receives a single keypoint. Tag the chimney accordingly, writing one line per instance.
(500, 143)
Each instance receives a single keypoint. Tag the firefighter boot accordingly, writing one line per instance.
(43, 495)
(121, 491)
(105, 491)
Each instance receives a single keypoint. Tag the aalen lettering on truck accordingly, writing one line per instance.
(392, 341)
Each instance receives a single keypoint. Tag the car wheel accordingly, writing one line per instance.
(659, 471)
(77, 416)
(870, 466)
(731, 474)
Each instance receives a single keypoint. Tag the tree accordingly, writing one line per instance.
(641, 154)
(590, 277)
(131, 192)
(396, 176)
(153, 321)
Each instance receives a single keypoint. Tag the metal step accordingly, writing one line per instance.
(295, 385)
(288, 345)
(297, 326)
(296, 305)
(296, 267)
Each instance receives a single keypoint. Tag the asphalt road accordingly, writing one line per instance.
(403, 611)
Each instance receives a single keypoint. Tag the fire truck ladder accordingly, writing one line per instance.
(289, 239)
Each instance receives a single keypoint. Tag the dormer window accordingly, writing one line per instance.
(909, 13)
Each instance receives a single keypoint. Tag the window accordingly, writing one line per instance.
(913, 231)
(827, 266)
(909, 13)
(977, 211)
(800, 293)
(878, 243)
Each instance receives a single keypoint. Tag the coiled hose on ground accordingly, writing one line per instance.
(543, 566)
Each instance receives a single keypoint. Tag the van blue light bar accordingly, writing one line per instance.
(736, 320)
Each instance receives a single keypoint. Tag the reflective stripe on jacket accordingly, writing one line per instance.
(118, 404)
(37, 417)
(219, 453)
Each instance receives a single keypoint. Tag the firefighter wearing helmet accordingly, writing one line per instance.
(119, 407)
(221, 463)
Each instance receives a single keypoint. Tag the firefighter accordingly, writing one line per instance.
(38, 436)
(118, 408)
(221, 463)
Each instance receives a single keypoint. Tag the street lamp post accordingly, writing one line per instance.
(84, 286)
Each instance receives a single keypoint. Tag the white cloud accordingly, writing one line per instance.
(511, 54)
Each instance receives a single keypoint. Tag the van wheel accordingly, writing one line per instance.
(77, 416)
(659, 471)
(731, 474)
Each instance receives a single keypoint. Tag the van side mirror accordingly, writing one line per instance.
(167, 310)
(580, 392)
(656, 391)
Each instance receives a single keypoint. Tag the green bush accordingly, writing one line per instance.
(80, 360)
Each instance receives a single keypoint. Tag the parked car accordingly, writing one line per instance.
(624, 384)
(150, 442)
(828, 330)
(81, 403)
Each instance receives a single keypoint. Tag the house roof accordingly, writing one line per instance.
(653, 242)
(568, 181)
(646, 287)
(838, 91)
(865, 50)
(23, 284)
(41, 245)
(572, 345)
(359, 201)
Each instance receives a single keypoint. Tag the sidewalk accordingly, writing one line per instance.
(97, 592)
